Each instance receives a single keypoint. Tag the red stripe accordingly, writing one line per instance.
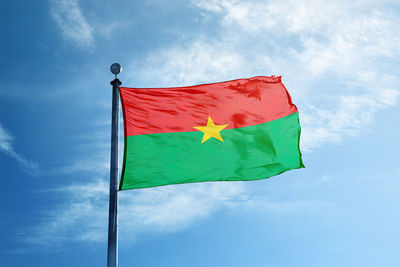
(239, 103)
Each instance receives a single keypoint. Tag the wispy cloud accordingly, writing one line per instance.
(74, 26)
(6, 146)
(200, 61)
(352, 114)
(82, 217)
(164, 209)
(5, 139)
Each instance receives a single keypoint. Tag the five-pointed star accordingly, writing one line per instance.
(211, 130)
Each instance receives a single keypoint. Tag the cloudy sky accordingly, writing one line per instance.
(339, 61)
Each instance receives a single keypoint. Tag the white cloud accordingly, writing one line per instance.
(68, 16)
(280, 17)
(165, 209)
(352, 114)
(200, 61)
(175, 207)
(82, 218)
(6, 140)
(95, 165)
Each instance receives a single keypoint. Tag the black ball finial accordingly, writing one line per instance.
(116, 69)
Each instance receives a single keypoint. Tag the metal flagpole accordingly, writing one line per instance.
(112, 256)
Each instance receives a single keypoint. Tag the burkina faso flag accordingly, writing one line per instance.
(245, 129)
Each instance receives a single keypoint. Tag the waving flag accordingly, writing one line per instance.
(238, 130)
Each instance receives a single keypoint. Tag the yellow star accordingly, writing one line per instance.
(211, 130)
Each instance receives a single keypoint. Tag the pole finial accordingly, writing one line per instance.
(116, 69)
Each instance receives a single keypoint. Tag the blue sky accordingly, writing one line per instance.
(340, 62)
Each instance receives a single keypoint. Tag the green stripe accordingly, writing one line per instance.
(248, 153)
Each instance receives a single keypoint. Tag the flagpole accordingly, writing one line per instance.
(112, 256)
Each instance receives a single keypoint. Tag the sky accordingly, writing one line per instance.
(338, 59)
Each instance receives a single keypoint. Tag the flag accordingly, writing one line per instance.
(245, 129)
